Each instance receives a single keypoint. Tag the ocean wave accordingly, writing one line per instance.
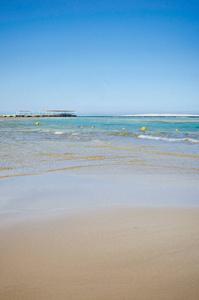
(58, 132)
(150, 137)
(161, 115)
(66, 133)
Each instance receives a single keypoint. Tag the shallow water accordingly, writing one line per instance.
(99, 144)
(53, 193)
(101, 161)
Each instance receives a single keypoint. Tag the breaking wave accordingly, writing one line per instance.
(150, 137)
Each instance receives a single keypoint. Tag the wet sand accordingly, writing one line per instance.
(117, 252)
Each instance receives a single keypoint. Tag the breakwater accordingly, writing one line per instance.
(43, 114)
(37, 116)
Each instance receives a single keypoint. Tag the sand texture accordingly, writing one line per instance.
(113, 253)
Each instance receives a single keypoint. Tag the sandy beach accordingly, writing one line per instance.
(99, 150)
(107, 253)
(99, 236)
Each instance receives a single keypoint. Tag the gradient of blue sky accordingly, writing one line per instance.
(100, 57)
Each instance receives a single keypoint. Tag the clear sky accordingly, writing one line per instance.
(105, 57)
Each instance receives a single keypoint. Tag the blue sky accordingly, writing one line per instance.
(100, 57)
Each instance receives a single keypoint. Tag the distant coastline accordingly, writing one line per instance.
(161, 115)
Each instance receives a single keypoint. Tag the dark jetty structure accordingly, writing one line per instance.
(42, 114)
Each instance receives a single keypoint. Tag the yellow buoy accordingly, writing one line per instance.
(143, 128)
(69, 125)
(176, 129)
(37, 123)
(106, 127)
(123, 128)
(92, 126)
(81, 126)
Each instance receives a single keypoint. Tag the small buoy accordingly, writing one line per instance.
(37, 123)
(176, 129)
(123, 128)
(69, 125)
(81, 126)
(143, 128)
(60, 124)
(106, 127)
(92, 126)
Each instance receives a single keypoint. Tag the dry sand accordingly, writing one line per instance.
(113, 253)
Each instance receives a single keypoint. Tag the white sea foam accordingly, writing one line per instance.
(98, 141)
(58, 132)
(160, 115)
(150, 137)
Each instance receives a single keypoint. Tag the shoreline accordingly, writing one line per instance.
(64, 191)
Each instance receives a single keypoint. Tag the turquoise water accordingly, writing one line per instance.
(99, 144)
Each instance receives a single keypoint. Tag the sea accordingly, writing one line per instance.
(168, 144)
